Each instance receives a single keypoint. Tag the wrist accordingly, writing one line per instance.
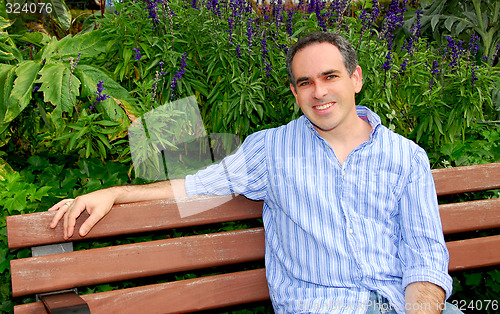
(115, 194)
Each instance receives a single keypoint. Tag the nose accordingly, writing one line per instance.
(320, 90)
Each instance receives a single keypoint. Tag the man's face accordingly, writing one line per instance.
(325, 91)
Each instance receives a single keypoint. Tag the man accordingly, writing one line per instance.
(350, 210)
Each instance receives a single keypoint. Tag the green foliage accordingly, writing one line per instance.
(59, 73)
(18, 197)
(38, 185)
(481, 147)
(232, 64)
(234, 68)
(463, 18)
(90, 136)
(234, 93)
(477, 291)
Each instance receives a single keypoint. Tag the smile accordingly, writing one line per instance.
(324, 106)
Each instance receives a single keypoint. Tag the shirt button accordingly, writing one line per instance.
(343, 172)
(351, 231)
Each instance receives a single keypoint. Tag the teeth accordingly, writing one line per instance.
(322, 107)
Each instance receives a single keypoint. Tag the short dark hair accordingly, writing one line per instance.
(347, 51)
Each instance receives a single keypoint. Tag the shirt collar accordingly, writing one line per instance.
(369, 116)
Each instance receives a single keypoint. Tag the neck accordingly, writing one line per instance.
(344, 140)
(356, 130)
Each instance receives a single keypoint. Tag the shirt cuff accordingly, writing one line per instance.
(438, 278)
(191, 186)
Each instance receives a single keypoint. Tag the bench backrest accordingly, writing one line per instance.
(124, 262)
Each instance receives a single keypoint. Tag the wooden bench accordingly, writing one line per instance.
(68, 270)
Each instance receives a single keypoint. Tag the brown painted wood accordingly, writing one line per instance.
(176, 297)
(187, 253)
(33, 229)
(474, 253)
(470, 216)
(467, 179)
(88, 267)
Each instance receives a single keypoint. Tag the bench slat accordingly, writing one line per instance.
(63, 271)
(33, 229)
(176, 297)
(474, 253)
(467, 179)
(480, 215)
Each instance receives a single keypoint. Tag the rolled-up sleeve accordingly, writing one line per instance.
(244, 172)
(422, 248)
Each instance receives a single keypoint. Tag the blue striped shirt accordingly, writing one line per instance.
(335, 232)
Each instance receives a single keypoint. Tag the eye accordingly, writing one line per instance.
(331, 77)
(303, 83)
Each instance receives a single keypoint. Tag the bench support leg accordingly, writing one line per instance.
(60, 302)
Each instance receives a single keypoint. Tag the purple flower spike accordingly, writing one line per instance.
(434, 73)
(474, 45)
(178, 75)
(387, 64)
(473, 75)
(100, 96)
(137, 55)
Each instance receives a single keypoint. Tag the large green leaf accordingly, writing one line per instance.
(50, 49)
(4, 23)
(9, 52)
(87, 45)
(114, 112)
(5, 169)
(36, 38)
(60, 13)
(20, 96)
(55, 79)
(51, 79)
(69, 91)
(7, 76)
(90, 76)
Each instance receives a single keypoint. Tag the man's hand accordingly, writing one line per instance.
(97, 204)
(424, 297)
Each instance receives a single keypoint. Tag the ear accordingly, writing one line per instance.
(294, 92)
(357, 78)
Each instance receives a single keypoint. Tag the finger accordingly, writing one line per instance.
(90, 223)
(57, 217)
(74, 210)
(58, 205)
(61, 208)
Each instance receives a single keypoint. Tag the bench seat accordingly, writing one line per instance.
(68, 270)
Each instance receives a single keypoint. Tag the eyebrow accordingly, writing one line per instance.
(306, 78)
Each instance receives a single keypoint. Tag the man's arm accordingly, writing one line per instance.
(422, 249)
(424, 297)
(99, 203)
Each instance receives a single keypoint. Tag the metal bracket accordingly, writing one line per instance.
(52, 249)
(64, 302)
